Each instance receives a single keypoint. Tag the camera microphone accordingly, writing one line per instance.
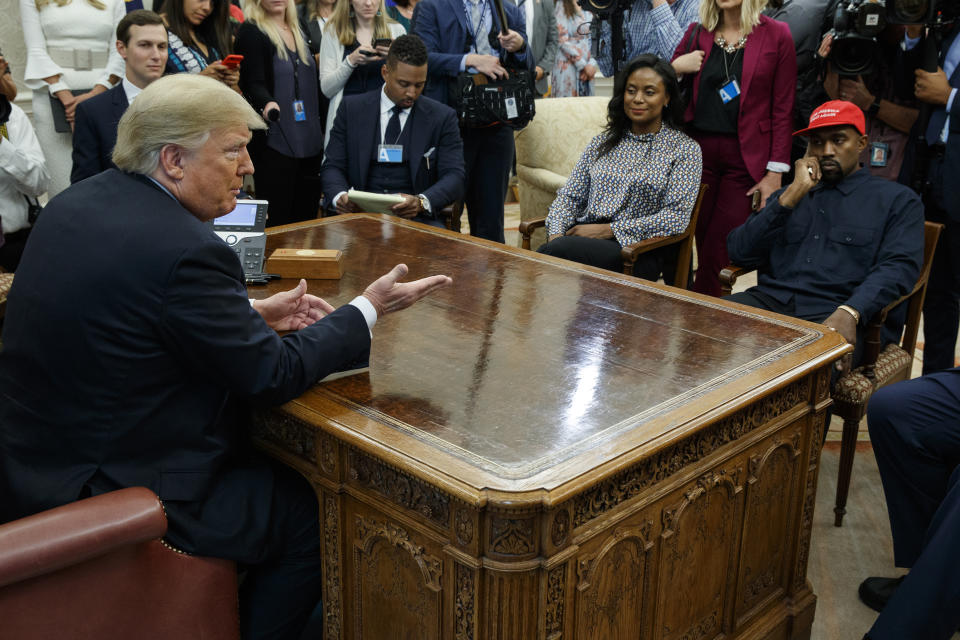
(273, 115)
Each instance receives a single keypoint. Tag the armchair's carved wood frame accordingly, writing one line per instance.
(865, 378)
(631, 252)
(451, 215)
(6, 281)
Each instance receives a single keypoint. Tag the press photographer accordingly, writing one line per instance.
(23, 177)
(913, 424)
(488, 39)
(623, 29)
(8, 87)
(889, 107)
(931, 56)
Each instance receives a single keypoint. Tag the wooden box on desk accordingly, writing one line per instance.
(319, 264)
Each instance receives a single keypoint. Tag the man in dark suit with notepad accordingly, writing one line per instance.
(395, 141)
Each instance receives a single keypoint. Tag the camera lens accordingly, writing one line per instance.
(853, 55)
(909, 11)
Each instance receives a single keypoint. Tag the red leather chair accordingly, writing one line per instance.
(98, 569)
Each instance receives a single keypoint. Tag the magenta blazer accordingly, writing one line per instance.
(767, 91)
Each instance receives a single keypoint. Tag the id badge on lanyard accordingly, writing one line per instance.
(299, 111)
(390, 153)
(299, 114)
(729, 91)
(879, 154)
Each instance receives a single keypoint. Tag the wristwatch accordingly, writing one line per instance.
(423, 202)
(874, 109)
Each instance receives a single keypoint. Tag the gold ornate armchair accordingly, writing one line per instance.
(548, 148)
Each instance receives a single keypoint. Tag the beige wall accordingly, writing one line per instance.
(14, 50)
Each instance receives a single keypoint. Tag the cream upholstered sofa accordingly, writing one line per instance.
(549, 146)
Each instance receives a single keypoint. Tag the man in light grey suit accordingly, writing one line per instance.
(542, 36)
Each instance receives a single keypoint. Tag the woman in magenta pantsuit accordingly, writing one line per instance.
(741, 113)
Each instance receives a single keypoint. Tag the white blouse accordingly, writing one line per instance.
(76, 26)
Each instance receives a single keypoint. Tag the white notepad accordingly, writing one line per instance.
(374, 202)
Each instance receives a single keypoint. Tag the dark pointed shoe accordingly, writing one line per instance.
(875, 592)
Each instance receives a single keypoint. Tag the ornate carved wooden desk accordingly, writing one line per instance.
(545, 451)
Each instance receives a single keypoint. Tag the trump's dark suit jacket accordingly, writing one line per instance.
(95, 132)
(126, 333)
(435, 156)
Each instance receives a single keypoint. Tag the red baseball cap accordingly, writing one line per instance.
(835, 113)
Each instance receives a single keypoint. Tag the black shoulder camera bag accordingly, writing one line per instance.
(482, 102)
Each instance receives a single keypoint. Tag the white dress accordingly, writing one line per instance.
(78, 27)
(335, 70)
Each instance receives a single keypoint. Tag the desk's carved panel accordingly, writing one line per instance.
(768, 517)
(394, 592)
(698, 543)
(823, 384)
(463, 527)
(629, 483)
(400, 488)
(809, 499)
(331, 570)
(512, 536)
(292, 435)
(613, 584)
(511, 606)
(560, 528)
(328, 455)
(464, 604)
(368, 531)
(556, 602)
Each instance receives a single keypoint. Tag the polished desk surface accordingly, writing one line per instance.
(529, 371)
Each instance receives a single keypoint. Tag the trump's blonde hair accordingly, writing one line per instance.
(181, 109)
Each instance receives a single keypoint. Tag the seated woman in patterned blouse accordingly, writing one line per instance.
(637, 179)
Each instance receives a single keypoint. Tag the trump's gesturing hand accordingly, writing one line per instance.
(292, 310)
(386, 294)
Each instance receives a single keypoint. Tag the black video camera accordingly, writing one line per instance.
(856, 25)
